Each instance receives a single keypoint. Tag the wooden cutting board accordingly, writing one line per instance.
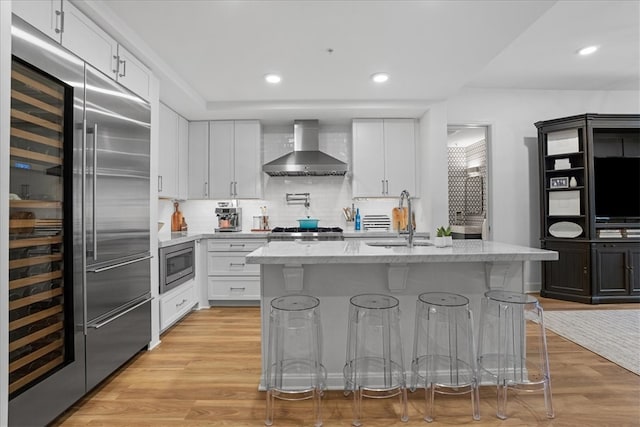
(399, 218)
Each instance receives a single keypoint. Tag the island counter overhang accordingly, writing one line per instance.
(334, 271)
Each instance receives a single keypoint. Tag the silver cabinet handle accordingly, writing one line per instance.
(59, 22)
(122, 264)
(159, 182)
(235, 188)
(206, 193)
(115, 63)
(382, 181)
(124, 67)
(236, 264)
(181, 303)
(231, 188)
(237, 288)
(240, 245)
(386, 191)
(106, 322)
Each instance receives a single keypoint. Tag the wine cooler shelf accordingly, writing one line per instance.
(36, 244)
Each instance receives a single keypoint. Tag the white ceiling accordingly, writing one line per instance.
(211, 56)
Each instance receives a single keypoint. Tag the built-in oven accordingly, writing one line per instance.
(177, 265)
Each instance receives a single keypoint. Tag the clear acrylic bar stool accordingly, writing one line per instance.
(374, 366)
(294, 369)
(444, 358)
(512, 346)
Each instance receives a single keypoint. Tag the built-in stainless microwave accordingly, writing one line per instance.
(177, 265)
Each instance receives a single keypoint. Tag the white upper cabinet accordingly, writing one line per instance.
(384, 152)
(234, 159)
(66, 24)
(132, 73)
(84, 38)
(45, 15)
(173, 152)
(198, 160)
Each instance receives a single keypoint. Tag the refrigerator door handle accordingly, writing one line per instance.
(106, 322)
(111, 267)
(95, 187)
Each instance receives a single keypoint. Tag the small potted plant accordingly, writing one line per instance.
(443, 237)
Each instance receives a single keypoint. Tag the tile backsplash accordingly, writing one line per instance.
(328, 194)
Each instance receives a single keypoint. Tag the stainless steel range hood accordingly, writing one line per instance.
(306, 158)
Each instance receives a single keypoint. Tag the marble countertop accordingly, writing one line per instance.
(169, 239)
(358, 252)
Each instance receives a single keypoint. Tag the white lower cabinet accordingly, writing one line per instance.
(176, 303)
(230, 278)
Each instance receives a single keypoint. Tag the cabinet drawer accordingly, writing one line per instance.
(175, 305)
(230, 264)
(235, 245)
(234, 288)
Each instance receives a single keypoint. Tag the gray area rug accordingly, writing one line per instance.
(613, 334)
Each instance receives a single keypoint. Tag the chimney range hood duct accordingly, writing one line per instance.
(306, 158)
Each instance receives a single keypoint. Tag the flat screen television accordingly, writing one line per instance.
(617, 189)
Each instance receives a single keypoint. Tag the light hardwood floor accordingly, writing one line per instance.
(206, 371)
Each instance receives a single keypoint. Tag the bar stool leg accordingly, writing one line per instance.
(544, 362)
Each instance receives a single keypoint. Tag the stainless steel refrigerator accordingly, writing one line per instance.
(79, 227)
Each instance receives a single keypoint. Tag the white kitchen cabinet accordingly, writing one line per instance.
(45, 15)
(384, 153)
(84, 38)
(132, 73)
(176, 303)
(173, 155)
(235, 168)
(198, 176)
(66, 24)
(230, 278)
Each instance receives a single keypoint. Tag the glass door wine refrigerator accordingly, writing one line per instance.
(77, 309)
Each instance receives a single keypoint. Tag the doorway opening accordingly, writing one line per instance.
(468, 166)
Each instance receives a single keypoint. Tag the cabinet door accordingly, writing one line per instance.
(183, 157)
(198, 160)
(45, 15)
(633, 266)
(400, 156)
(168, 153)
(84, 38)
(221, 135)
(247, 156)
(368, 158)
(611, 270)
(569, 275)
(132, 73)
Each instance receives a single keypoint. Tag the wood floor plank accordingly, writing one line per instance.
(206, 372)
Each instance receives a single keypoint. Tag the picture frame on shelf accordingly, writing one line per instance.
(559, 182)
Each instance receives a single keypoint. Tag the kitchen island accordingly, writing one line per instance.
(334, 271)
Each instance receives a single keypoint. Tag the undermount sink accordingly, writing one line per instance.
(398, 242)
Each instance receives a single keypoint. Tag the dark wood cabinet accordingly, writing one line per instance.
(585, 162)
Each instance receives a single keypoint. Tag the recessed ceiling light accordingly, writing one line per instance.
(272, 78)
(380, 77)
(587, 50)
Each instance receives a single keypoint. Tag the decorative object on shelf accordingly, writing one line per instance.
(560, 164)
(573, 182)
(559, 182)
(443, 237)
(563, 141)
(565, 229)
(565, 203)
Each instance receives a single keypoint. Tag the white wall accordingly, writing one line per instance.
(513, 156)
